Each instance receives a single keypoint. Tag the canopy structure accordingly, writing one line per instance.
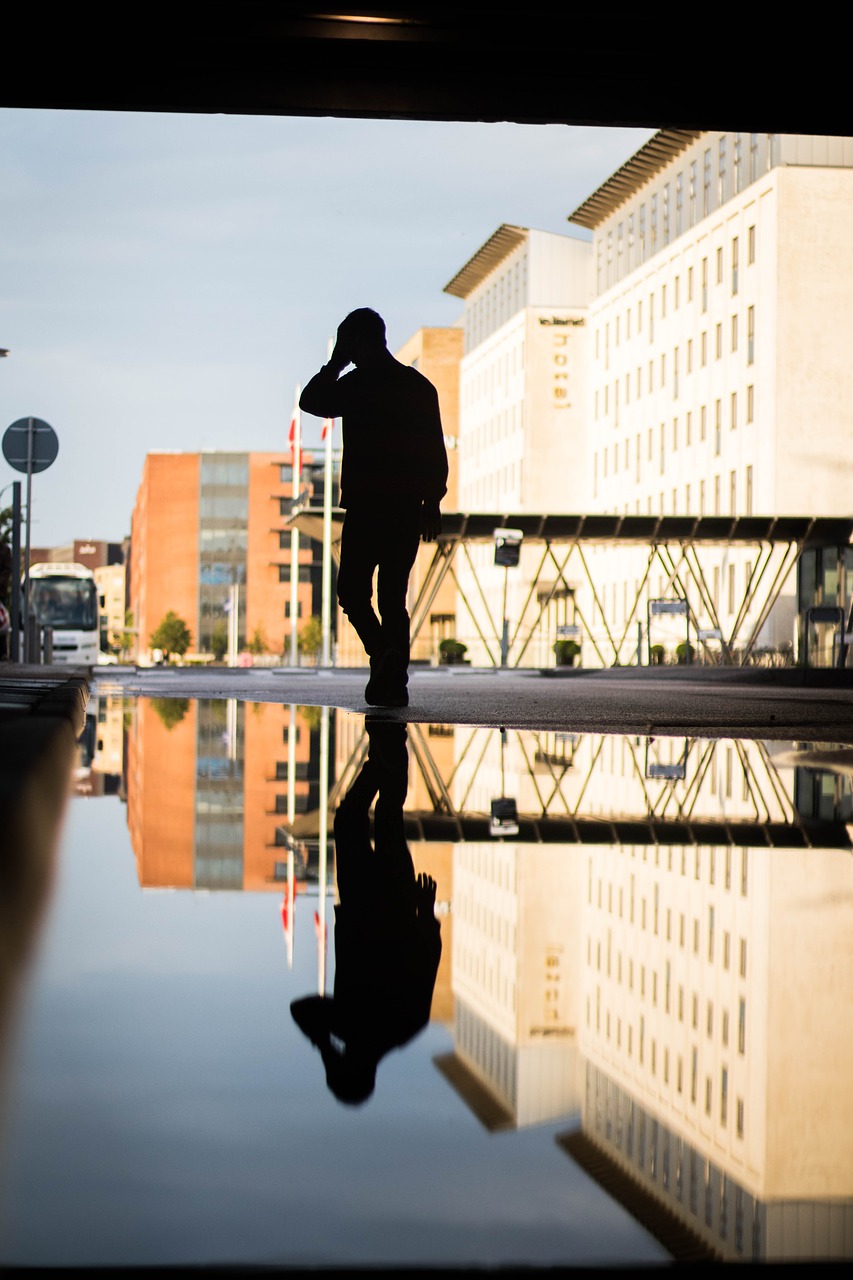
(681, 545)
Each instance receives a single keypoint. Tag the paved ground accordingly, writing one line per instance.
(791, 705)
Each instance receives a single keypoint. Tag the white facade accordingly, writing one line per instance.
(721, 381)
(523, 392)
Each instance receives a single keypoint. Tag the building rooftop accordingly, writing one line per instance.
(653, 156)
(488, 256)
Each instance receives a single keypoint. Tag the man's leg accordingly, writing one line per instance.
(395, 565)
(359, 556)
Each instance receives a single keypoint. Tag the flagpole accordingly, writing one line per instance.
(294, 534)
(326, 619)
(324, 846)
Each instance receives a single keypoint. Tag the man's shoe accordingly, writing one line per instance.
(387, 684)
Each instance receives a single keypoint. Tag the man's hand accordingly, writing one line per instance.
(425, 896)
(339, 359)
(430, 521)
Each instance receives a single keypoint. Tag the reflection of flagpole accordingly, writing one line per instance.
(296, 448)
(324, 839)
(291, 901)
(291, 767)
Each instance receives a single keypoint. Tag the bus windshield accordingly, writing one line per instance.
(67, 603)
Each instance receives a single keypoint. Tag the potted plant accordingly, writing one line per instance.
(566, 651)
(685, 653)
(451, 651)
(656, 655)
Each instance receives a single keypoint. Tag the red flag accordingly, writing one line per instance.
(328, 425)
(291, 436)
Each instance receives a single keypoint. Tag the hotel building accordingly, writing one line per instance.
(523, 395)
(720, 337)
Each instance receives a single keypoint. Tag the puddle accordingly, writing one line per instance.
(631, 1043)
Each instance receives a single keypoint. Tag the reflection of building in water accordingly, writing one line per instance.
(100, 749)
(560, 774)
(716, 987)
(207, 787)
(516, 982)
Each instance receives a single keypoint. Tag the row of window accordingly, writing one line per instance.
(602, 333)
(609, 395)
(678, 204)
(679, 1072)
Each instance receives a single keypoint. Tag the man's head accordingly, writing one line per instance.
(362, 335)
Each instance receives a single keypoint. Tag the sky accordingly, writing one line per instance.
(166, 281)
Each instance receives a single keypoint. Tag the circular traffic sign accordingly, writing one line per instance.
(30, 444)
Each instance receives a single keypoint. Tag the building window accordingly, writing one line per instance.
(724, 1096)
(733, 410)
(750, 245)
(689, 284)
(693, 185)
(742, 966)
(688, 427)
(731, 571)
(718, 428)
(741, 1026)
(718, 341)
(666, 213)
(703, 348)
(716, 513)
(704, 284)
(642, 253)
(750, 404)
(740, 1117)
(753, 156)
(750, 335)
(703, 422)
(298, 609)
(748, 499)
(738, 163)
(719, 266)
(721, 169)
(679, 203)
(734, 333)
(654, 223)
(706, 184)
(735, 251)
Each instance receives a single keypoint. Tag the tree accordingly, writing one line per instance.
(122, 642)
(171, 710)
(258, 643)
(311, 636)
(219, 641)
(172, 636)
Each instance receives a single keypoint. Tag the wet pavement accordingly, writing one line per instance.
(601, 979)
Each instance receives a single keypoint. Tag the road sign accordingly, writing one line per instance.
(17, 445)
(668, 606)
(568, 630)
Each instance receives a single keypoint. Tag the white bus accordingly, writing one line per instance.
(64, 596)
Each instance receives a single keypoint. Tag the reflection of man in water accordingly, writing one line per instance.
(387, 938)
(393, 477)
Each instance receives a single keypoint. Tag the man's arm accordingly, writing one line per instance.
(437, 468)
(322, 396)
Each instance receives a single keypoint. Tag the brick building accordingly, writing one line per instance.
(206, 522)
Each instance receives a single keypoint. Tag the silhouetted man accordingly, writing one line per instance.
(387, 938)
(393, 477)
